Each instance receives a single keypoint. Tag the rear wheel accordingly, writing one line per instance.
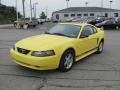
(117, 27)
(67, 61)
(100, 47)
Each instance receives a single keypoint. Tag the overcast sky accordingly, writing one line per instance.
(53, 5)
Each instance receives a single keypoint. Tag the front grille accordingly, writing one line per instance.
(23, 51)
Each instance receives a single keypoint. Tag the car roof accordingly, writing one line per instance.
(78, 24)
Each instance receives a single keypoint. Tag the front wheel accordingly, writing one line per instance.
(100, 47)
(67, 61)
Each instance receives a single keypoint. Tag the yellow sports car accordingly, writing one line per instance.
(59, 48)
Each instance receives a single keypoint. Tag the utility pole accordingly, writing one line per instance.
(23, 2)
(31, 9)
(16, 10)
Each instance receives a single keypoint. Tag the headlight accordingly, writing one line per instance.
(43, 53)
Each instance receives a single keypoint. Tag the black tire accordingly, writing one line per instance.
(100, 47)
(34, 26)
(41, 22)
(63, 61)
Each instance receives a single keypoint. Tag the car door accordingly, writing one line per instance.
(106, 25)
(88, 40)
(110, 25)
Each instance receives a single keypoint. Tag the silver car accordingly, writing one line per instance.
(28, 22)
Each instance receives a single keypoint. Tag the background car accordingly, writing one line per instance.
(96, 20)
(58, 48)
(69, 20)
(41, 21)
(28, 22)
(117, 20)
(108, 24)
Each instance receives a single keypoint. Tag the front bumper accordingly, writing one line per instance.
(37, 63)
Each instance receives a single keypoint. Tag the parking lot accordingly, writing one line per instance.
(96, 72)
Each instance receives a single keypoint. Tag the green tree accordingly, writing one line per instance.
(8, 14)
(43, 16)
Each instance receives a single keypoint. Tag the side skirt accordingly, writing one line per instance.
(85, 54)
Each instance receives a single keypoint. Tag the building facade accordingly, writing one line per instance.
(73, 12)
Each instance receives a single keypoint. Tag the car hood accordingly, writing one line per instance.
(42, 42)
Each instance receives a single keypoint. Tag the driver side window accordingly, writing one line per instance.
(86, 31)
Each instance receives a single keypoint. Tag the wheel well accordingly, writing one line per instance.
(102, 40)
(68, 50)
(71, 50)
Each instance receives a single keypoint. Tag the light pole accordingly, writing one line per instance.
(101, 7)
(46, 12)
(110, 6)
(16, 10)
(34, 9)
(23, 2)
(67, 1)
(110, 3)
(86, 3)
(31, 9)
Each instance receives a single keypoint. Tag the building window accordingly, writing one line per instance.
(106, 14)
(91, 14)
(66, 15)
(72, 15)
(116, 14)
(85, 14)
(79, 15)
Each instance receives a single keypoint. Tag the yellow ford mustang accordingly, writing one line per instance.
(58, 48)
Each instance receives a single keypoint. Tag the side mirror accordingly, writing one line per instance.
(84, 36)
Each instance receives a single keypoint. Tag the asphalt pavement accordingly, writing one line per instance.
(96, 72)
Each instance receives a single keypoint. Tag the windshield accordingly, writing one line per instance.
(65, 30)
